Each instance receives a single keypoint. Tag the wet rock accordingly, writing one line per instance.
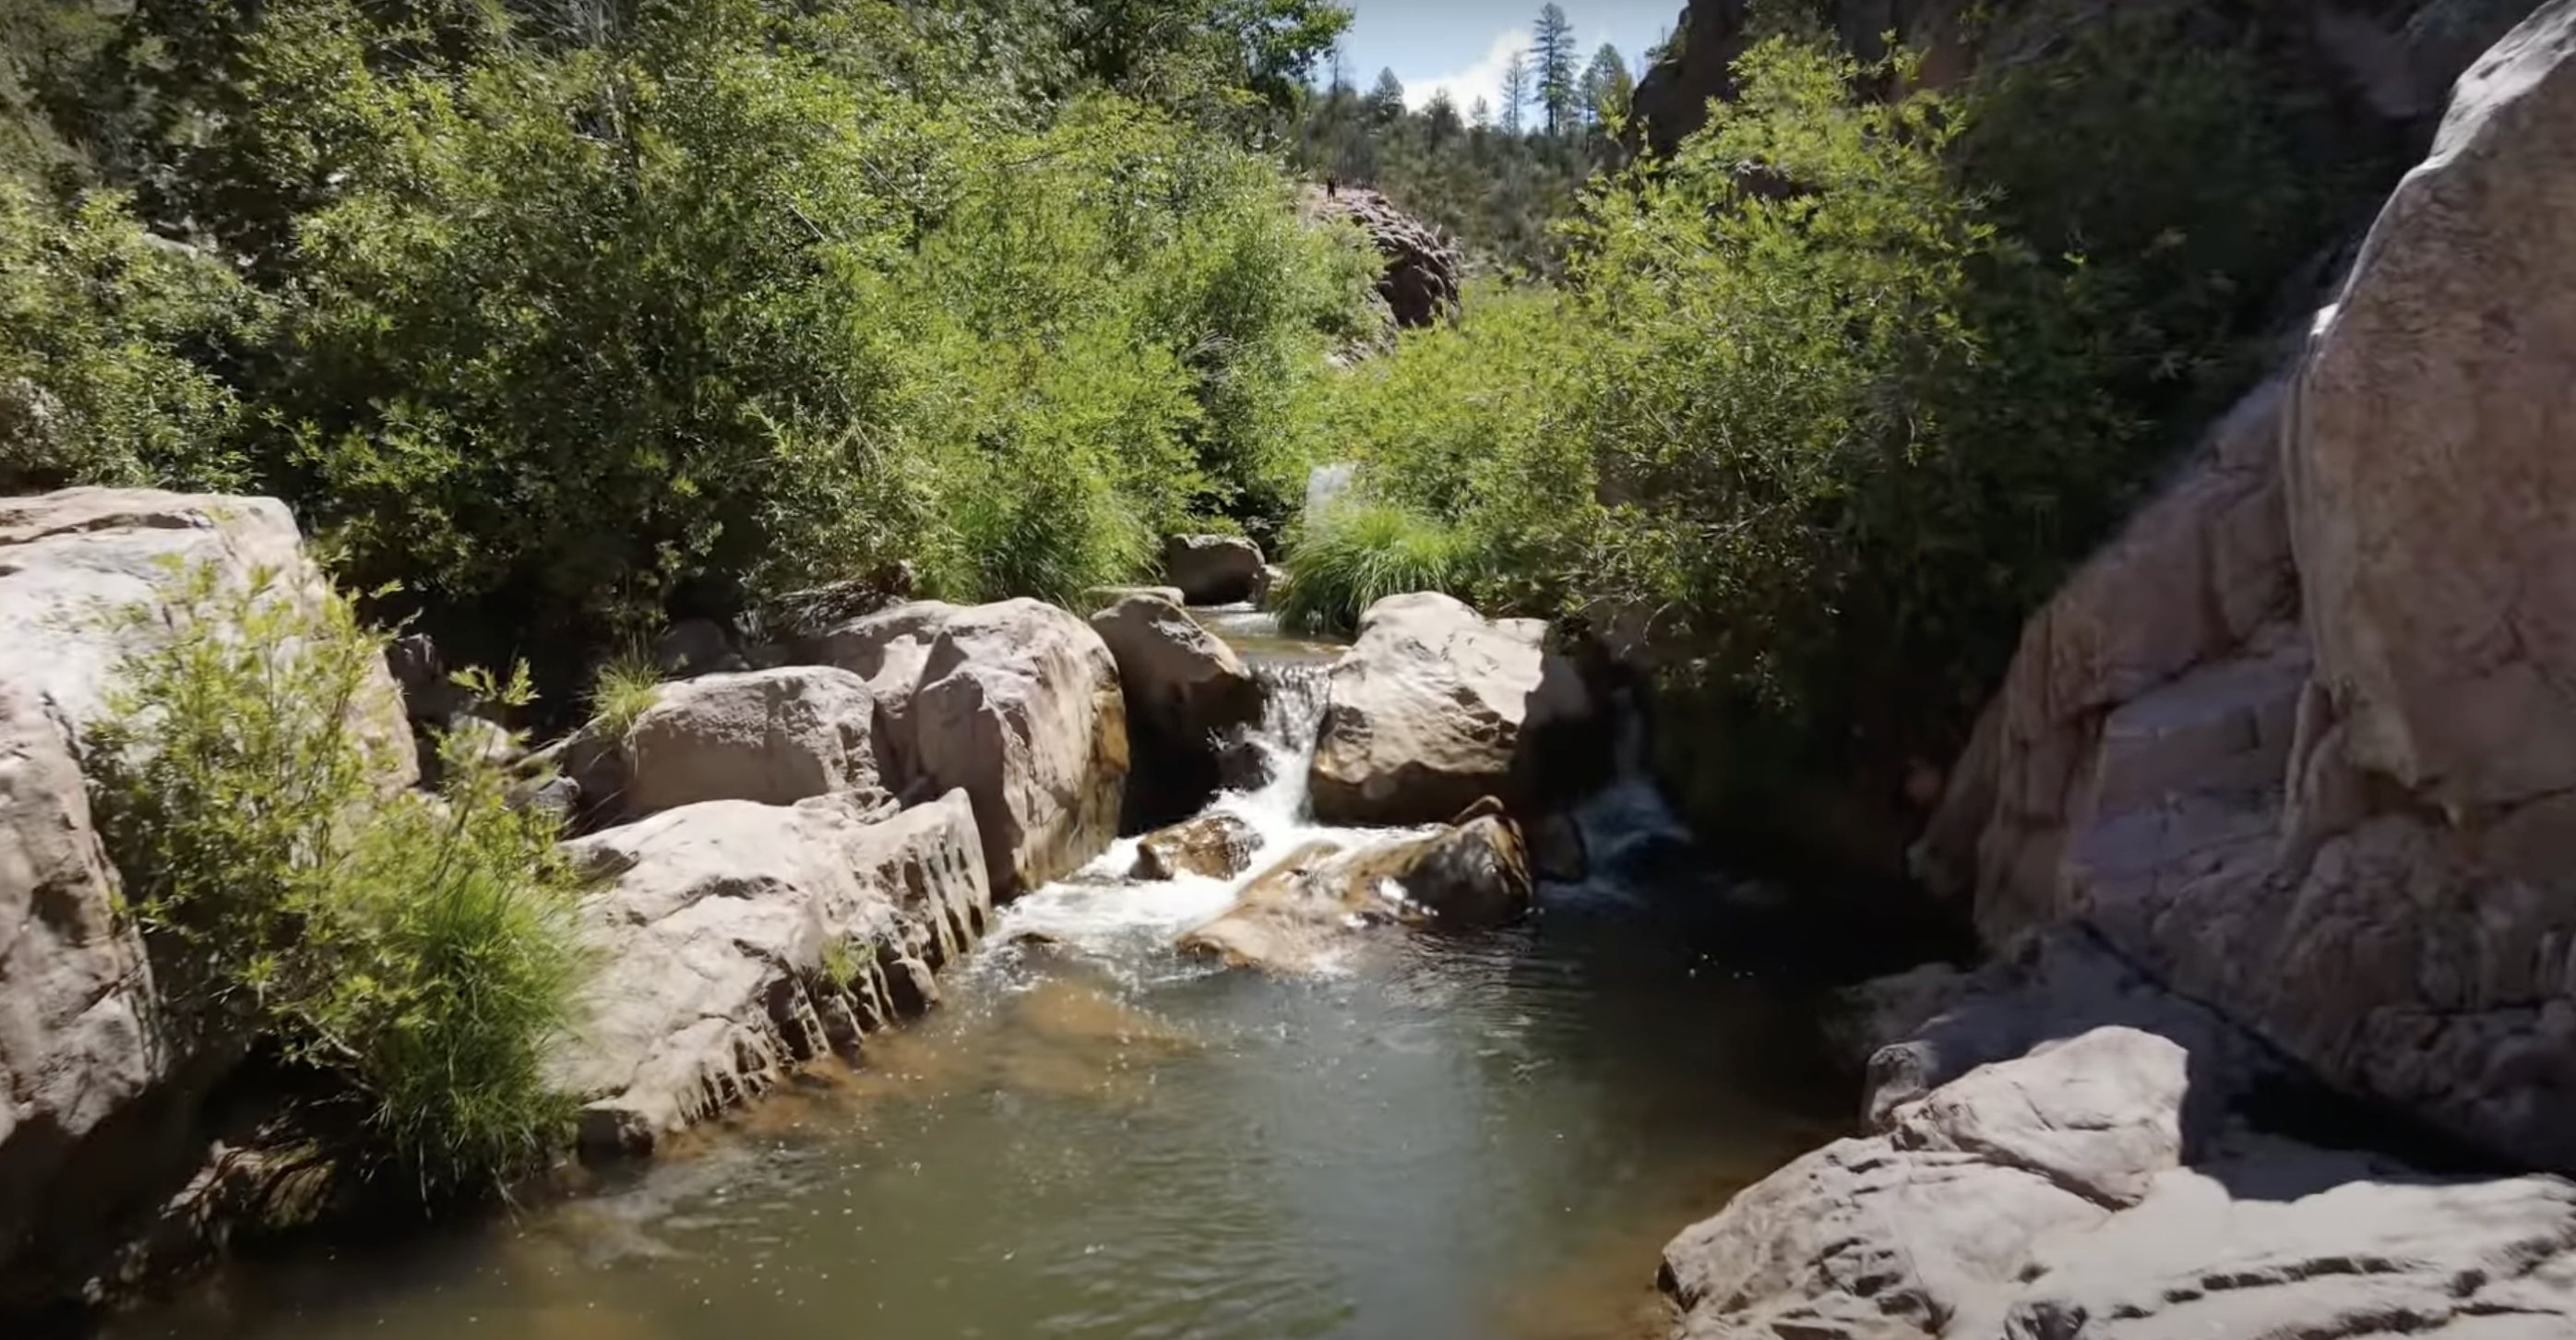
(1186, 692)
(1019, 704)
(1302, 913)
(771, 736)
(735, 939)
(1212, 569)
(1215, 846)
(96, 1102)
(1557, 851)
(1434, 707)
(1266, 583)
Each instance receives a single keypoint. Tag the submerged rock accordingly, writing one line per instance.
(1302, 913)
(98, 1102)
(1435, 707)
(1212, 846)
(1018, 704)
(735, 939)
(1212, 569)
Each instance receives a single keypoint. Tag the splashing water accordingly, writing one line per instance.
(1096, 909)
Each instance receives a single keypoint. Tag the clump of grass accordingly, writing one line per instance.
(841, 964)
(625, 688)
(1366, 553)
(421, 950)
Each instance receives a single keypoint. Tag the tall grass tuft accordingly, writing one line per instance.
(623, 689)
(1365, 554)
(420, 950)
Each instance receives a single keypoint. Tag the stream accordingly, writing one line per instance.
(1449, 1138)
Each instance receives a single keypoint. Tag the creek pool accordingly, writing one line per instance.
(1450, 1138)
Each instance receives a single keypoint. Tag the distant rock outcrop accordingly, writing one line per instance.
(1424, 269)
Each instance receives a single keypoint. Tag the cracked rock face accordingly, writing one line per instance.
(2301, 743)
(737, 939)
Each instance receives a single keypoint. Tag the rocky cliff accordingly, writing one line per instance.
(2302, 741)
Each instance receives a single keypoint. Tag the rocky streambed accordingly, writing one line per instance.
(1263, 1074)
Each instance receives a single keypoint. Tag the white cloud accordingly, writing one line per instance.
(1484, 79)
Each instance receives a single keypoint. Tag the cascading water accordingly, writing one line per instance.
(1100, 910)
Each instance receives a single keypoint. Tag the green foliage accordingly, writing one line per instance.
(1363, 555)
(572, 317)
(104, 340)
(420, 949)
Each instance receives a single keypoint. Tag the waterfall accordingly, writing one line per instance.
(1292, 716)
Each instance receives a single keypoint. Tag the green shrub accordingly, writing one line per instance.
(1366, 553)
(104, 338)
(419, 948)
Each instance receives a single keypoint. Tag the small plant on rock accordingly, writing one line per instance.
(625, 688)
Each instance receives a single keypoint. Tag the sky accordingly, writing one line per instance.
(1461, 45)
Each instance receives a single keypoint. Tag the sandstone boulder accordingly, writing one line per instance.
(1434, 707)
(1187, 694)
(736, 939)
(1213, 846)
(96, 1105)
(1212, 569)
(770, 736)
(2046, 1195)
(1018, 703)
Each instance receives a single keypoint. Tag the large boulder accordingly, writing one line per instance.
(96, 1102)
(1212, 569)
(735, 940)
(2299, 743)
(771, 736)
(1018, 704)
(1434, 708)
(1186, 694)
(1305, 912)
(2056, 1193)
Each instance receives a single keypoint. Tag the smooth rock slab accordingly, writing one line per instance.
(718, 936)
(770, 736)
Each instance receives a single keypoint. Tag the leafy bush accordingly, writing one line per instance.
(421, 949)
(105, 339)
(1366, 553)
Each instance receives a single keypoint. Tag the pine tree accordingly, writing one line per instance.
(1480, 114)
(1607, 87)
(1386, 101)
(1516, 91)
(1555, 55)
(1440, 118)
